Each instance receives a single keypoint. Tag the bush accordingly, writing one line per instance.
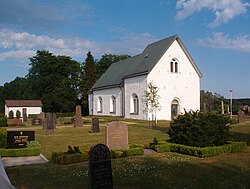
(63, 158)
(2, 115)
(202, 152)
(11, 114)
(3, 122)
(67, 114)
(18, 114)
(33, 144)
(199, 129)
(3, 138)
(19, 152)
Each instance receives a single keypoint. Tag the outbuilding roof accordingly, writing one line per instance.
(23, 103)
(139, 65)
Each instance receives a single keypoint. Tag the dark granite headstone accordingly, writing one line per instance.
(95, 125)
(241, 116)
(19, 139)
(100, 171)
(50, 122)
(78, 117)
(117, 135)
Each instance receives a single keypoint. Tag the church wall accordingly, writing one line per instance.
(183, 86)
(106, 95)
(136, 85)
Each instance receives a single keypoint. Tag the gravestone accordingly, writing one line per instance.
(42, 117)
(241, 116)
(50, 123)
(78, 117)
(95, 125)
(100, 171)
(117, 135)
(19, 139)
(25, 117)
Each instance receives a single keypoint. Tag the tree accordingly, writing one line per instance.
(106, 60)
(151, 100)
(88, 78)
(54, 80)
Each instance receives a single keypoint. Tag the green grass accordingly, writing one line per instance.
(163, 170)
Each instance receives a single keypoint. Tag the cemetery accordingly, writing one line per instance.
(68, 144)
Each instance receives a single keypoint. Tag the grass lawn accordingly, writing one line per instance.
(164, 170)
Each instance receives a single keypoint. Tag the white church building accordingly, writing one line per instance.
(167, 64)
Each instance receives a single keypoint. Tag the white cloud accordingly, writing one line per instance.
(224, 10)
(221, 41)
(22, 45)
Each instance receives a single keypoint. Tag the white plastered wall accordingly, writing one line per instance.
(30, 110)
(106, 95)
(136, 85)
(183, 86)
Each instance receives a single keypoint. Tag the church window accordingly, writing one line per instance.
(99, 105)
(112, 104)
(134, 104)
(174, 65)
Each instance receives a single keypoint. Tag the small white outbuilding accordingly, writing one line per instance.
(165, 63)
(24, 106)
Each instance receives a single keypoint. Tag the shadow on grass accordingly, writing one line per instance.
(241, 137)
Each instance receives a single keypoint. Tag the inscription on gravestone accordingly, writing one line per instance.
(117, 135)
(36, 121)
(78, 117)
(19, 139)
(100, 171)
(95, 125)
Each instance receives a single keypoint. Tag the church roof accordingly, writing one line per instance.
(140, 64)
(23, 103)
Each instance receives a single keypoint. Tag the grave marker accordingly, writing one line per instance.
(19, 139)
(117, 135)
(50, 122)
(241, 116)
(95, 125)
(78, 117)
(100, 171)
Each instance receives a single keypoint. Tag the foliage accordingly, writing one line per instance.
(3, 138)
(11, 114)
(151, 100)
(54, 80)
(19, 152)
(3, 122)
(65, 114)
(33, 144)
(199, 129)
(88, 78)
(63, 158)
(18, 114)
(2, 115)
(136, 151)
(73, 151)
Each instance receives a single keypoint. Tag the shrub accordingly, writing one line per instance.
(202, 152)
(3, 138)
(66, 114)
(73, 151)
(18, 114)
(33, 144)
(11, 114)
(63, 158)
(199, 129)
(138, 151)
(19, 152)
(3, 122)
(2, 115)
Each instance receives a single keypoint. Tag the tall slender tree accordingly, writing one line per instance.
(88, 78)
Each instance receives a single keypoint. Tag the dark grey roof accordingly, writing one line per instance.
(139, 64)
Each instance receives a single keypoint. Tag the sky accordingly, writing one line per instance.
(215, 32)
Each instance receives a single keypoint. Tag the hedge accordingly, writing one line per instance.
(63, 159)
(66, 114)
(3, 122)
(3, 138)
(19, 152)
(232, 147)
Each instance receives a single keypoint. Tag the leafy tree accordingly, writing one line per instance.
(151, 100)
(54, 80)
(199, 129)
(88, 78)
(106, 60)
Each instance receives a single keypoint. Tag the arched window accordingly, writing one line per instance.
(175, 108)
(174, 65)
(99, 105)
(112, 104)
(134, 104)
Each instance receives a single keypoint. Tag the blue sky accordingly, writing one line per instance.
(215, 32)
